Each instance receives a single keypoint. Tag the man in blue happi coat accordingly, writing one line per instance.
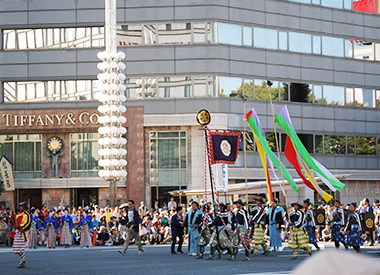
(275, 220)
(193, 221)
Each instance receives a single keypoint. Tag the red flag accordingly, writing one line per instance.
(290, 154)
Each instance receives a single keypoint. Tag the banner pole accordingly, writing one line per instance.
(278, 148)
(209, 166)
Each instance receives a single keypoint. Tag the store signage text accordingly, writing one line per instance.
(362, 192)
(84, 118)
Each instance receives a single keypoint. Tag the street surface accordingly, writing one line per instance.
(156, 260)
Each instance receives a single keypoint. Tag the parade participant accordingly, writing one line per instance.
(51, 226)
(298, 237)
(85, 226)
(231, 218)
(274, 221)
(192, 223)
(132, 229)
(177, 229)
(354, 229)
(220, 238)
(66, 224)
(36, 225)
(206, 230)
(258, 218)
(22, 222)
(310, 224)
(339, 222)
(242, 228)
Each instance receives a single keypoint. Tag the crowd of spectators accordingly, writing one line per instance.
(155, 223)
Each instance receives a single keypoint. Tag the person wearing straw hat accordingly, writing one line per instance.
(22, 222)
(339, 222)
(241, 232)
(36, 226)
(66, 224)
(51, 226)
(354, 229)
(310, 224)
(298, 238)
(258, 218)
(85, 226)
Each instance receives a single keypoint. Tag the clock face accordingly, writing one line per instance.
(203, 117)
(54, 144)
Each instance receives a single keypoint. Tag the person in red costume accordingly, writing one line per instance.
(22, 222)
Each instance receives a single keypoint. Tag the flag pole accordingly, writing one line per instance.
(244, 98)
(209, 165)
(269, 84)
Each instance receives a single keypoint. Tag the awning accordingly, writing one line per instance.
(254, 187)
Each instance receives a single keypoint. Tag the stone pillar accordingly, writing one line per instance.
(63, 161)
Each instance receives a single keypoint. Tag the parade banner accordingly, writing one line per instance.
(6, 172)
(224, 147)
(320, 217)
(225, 178)
(368, 222)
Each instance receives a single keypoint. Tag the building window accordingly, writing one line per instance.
(168, 162)
(24, 151)
(84, 155)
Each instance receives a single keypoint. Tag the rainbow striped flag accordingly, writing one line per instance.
(266, 153)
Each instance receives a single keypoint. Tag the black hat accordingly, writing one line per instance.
(338, 201)
(376, 201)
(307, 201)
(240, 202)
(194, 202)
(32, 210)
(132, 201)
(24, 204)
(260, 199)
(274, 200)
(354, 204)
(296, 203)
(221, 204)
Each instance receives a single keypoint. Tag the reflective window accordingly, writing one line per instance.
(332, 46)
(333, 95)
(377, 51)
(150, 34)
(307, 141)
(262, 90)
(230, 34)
(316, 44)
(301, 1)
(84, 155)
(363, 50)
(9, 39)
(348, 49)
(230, 86)
(378, 98)
(200, 89)
(347, 4)
(283, 41)
(209, 33)
(176, 33)
(350, 97)
(350, 145)
(301, 92)
(365, 97)
(299, 42)
(284, 91)
(199, 32)
(247, 36)
(265, 38)
(338, 4)
(335, 144)
(129, 35)
(318, 144)
(248, 88)
(317, 94)
(365, 145)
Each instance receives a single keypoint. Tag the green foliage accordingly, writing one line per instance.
(365, 146)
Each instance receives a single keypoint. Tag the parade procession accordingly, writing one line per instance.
(190, 137)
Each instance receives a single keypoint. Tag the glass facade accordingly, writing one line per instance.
(24, 152)
(84, 155)
(168, 161)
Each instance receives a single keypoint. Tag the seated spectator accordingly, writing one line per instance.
(102, 222)
(11, 236)
(326, 234)
(103, 237)
(166, 235)
(156, 205)
(147, 222)
(155, 234)
(165, 207)
(151, 213)
(164, 220)
(284, 235)
(144, 234)
(116, 236)
(95, 223)
(113, 222)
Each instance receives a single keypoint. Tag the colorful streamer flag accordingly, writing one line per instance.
(224, 147)
(304, 159)
(266, 153)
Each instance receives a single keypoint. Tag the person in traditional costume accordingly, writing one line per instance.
(231, 218)
(22, 222)
(338, 223)
(258, 215)
(51, 225)
(275, 219)
(220, 238)
(298, 237)
(354, 229)
(132, 229)
(177, 229)
(206, 230)
(310, 223)
(85, 226)
(193, 221)
(66, 225)
(241, 232)
(33, 231)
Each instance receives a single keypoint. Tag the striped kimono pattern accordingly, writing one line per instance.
(298, 239)
(19, 244)
(52, 237)
(66, 238)
(33, 237)
(258, 235)
(85, 238)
